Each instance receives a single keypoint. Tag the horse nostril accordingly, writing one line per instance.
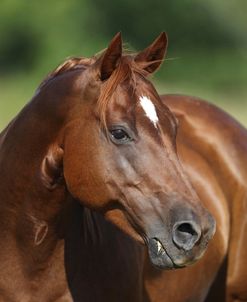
(186, 228)
(186, 234)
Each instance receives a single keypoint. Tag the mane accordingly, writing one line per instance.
(68, 65)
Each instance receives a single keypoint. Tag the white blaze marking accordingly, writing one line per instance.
(149, 109)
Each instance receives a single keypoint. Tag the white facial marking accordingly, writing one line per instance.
(149, 109)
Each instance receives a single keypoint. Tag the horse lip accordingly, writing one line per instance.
(175, 265)
(158, 255)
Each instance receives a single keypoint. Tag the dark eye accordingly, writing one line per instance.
(119, 136)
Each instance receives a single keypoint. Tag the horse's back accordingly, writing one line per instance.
(212, 146)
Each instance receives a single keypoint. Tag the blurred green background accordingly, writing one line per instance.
(207, 53)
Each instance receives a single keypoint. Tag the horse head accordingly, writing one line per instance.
(119, 155)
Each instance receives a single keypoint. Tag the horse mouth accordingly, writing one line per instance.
(159, 256)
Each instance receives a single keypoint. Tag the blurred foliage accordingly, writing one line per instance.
(33, 32)
(207, 43)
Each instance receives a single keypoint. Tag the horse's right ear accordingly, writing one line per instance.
(109, 61)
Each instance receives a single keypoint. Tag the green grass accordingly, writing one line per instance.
(218, 77)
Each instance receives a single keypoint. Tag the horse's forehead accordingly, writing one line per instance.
(142, 97)
(149, 109)
(139, 96)
(146, 99)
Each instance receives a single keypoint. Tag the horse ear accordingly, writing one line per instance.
(110, 59)
(151, 57)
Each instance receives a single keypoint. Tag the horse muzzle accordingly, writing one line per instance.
(185, 243)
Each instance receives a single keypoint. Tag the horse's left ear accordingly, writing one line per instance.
(151, 57)
(108, 62)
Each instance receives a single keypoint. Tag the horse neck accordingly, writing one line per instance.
(34, 216)
(28, 209)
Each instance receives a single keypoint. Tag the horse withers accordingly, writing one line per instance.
(90, 162)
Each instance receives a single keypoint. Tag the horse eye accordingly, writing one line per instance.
(120, 136)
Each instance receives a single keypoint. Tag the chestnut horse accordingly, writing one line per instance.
(98, 144)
